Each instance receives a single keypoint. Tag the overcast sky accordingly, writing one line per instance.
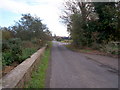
(48, 10)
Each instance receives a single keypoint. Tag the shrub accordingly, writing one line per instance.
(95, 46)
(7, 58)
(12, 51)
(111, 48)
(5, 45)
(26, 53)
(17, 50)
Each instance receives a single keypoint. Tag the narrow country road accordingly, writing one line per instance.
(73, 70)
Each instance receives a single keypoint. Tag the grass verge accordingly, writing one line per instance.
(89, 50)
(82, 50)
(38, 76)
(73, 48)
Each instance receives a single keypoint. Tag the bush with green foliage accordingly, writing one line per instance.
(23, 39)
(111, 48)
(7, 58)
(26, 53)
(5, 45)
(12, 51)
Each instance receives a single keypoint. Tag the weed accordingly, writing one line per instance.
(38, 76)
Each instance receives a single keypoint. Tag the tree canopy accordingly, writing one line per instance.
(27, 28)
(91, 23)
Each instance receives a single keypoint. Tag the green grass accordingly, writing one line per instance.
(38, 76)
(78, 49)
(69, 46)
(108, 48)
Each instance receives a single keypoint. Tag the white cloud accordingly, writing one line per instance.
(47, 10)
(13, 6)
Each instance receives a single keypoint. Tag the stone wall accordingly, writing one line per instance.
(22, 73)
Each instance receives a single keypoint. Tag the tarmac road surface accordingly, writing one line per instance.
(73, 70)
